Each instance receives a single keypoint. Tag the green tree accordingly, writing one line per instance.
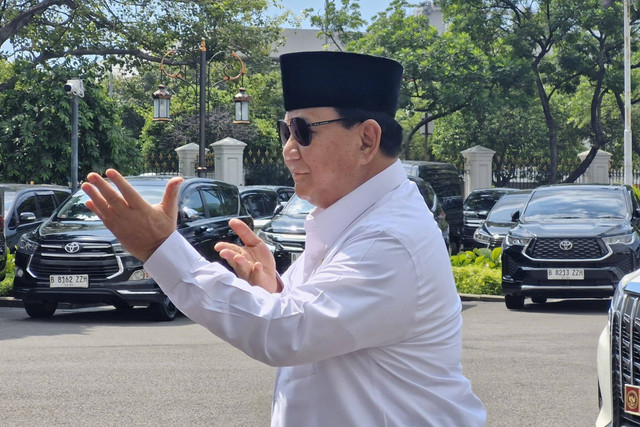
(35, 123)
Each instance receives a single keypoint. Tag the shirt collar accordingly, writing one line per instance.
(328, 224)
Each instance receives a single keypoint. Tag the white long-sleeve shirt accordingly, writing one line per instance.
(366, 331)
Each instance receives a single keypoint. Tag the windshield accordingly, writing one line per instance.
(575, 203)
(481, 201)
(76, 210)
(505, 207)
(297, 206)
(8, 199)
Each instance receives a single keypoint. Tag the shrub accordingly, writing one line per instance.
(7, 284)
(478, 272)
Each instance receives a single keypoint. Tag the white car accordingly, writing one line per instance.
(618, 357)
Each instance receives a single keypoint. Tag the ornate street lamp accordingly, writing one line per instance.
(161, 98)
(241, 99)
(161, 103)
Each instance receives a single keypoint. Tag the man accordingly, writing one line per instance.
(365, 325)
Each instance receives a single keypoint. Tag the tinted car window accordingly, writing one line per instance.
(27, 205)
(230, 201)
(212, 200)
(575, 204)
(46, 205)
(193, 206)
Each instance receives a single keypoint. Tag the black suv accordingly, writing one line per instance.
(26, 206)
(571, 241)
(285, 234)
(445, 180)
(475, 209)
(73, 258)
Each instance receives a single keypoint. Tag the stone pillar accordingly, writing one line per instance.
(229, 160)
(598, 170)
(187, 156)
(478, 168)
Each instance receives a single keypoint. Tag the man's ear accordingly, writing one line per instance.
(370, 135)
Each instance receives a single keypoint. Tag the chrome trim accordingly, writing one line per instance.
(565, 288)
(125, 292)
(634, 313)
(75, 255)
(120, 268)
(620, 315)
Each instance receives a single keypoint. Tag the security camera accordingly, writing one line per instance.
(75, 87)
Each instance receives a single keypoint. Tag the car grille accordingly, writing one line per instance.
(625, 345)
(582, 249)
(95, 259)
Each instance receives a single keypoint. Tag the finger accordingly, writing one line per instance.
(109, 196)
(170, 198)
(127, 192)
(220, 246)
(98, 203)
(248, 237)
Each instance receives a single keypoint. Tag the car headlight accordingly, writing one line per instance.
(511, 240)
(623, 239)
(26, 245)
(481, 236)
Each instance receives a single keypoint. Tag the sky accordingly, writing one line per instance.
(368, 8)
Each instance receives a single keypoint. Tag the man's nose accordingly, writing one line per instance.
(291, 149)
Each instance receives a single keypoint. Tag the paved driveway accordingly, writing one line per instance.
(96, 366)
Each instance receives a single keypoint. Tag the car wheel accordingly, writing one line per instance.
(163, 311)
(539, 300)
(40, 310)
(514, 302)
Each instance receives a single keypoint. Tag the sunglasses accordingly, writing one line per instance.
(301, 129)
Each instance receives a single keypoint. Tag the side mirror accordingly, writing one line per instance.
(515, 216)
(278, 209)
(27, 217)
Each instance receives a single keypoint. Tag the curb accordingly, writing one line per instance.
(12, 302)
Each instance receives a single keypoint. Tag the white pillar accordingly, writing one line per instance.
(229, 160)
(598, 170)
(478, 168)
(187, 155)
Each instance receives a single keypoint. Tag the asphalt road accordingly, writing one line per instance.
(98, 367)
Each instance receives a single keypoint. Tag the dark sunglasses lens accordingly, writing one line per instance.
(283, 130)
(301, 131)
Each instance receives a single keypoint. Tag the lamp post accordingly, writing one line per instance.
(162, 98)
(75, 88)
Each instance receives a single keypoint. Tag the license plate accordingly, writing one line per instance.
(69, 281)
(294, 256)
(565, 274)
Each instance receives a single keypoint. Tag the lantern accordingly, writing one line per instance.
(161, 102)
(241, 99)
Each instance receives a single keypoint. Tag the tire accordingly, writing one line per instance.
(41, 310)
(539, 300)
(514, 302)
(163, 311)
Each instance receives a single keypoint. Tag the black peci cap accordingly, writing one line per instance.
(340, 79)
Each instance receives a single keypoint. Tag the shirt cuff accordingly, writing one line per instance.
(173, 260)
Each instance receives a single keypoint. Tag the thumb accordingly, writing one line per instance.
(170, 198)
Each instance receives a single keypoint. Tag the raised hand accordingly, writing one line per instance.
(139, 226)
(252, 262)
